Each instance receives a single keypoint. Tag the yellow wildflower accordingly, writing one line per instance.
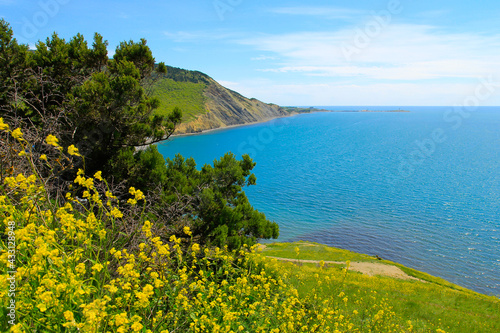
(52, 140)
(97, 267)
(80, 268)
(102, 234)
(43, 157)
(42, 307)
(136, 327)
(187, 231)
(117, 254)
(139, 195)
(3, 126)
(113, 289)
(115, 212)
(158, 283)
(68, 315)
(98, 175)
(72, 150)
(121, 319)
(143, 297)
(147, 229)
(195, 247)
(17, 328)
(17, 134)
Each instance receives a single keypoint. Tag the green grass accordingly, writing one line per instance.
(430, 304)
(188, 96)
(313, 251)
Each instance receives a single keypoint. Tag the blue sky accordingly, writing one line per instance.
(390, 52)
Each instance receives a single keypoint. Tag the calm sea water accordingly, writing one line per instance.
(420, 188)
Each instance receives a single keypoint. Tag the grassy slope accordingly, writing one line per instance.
(432, 304)
(188, 96)
(180, 88)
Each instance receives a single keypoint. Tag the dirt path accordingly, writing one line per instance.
(368, 268)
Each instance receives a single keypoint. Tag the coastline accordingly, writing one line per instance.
(233, 126)
(293, 113)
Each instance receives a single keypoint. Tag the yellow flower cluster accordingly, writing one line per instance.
(52, 140)
(138, 195)
(17, 134)
(3, 126)
(77, 273)
(72, 150)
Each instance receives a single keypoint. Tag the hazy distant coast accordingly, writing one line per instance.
(291, 111)
(294, 109)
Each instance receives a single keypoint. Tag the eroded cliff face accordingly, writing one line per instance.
(226, 108)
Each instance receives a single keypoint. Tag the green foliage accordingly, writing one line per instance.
(225, 211)
(137, 53)
(184, 75)
(86, 99)
(13, 60)
(212, 199)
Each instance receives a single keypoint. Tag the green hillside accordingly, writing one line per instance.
(180, 88)
(188, 96)
(424, 302)
(204, 103)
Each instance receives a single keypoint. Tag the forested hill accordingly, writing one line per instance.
(206, 104)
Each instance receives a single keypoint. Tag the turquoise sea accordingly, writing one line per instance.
(421, 188)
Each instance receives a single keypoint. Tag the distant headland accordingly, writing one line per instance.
(294, 109)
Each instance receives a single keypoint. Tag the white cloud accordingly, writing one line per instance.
(453, 68)
(262, 58)
(403, 64)
(399, 52)
(229, 84)
(403, 94)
